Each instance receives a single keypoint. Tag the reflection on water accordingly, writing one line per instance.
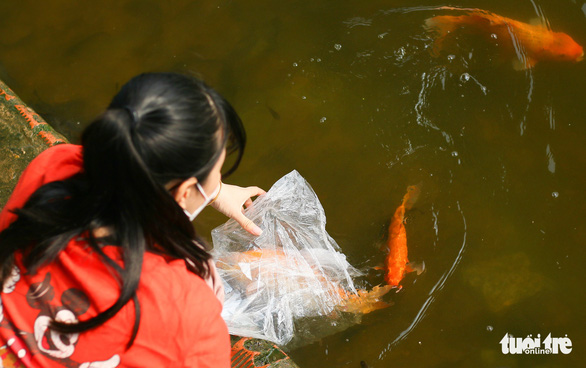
(349, 94)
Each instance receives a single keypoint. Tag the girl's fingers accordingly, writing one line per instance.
(255, 191)
(248, 203)
(248, 225)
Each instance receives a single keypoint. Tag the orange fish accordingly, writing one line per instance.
(530, 43)
(275, 261)
(396, 263)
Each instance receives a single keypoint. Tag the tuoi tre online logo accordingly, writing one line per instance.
(531, 345)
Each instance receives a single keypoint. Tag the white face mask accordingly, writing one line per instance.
(193, 215)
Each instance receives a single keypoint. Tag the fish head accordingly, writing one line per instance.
(411, 196)
(564, 48)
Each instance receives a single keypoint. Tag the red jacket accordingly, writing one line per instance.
(180, 322)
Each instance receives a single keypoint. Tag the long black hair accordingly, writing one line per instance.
(159, 128)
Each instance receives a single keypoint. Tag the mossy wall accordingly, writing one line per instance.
(23, 135)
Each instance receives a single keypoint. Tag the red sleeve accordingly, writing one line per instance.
(56, 163)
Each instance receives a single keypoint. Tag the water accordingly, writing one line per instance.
(350, 96)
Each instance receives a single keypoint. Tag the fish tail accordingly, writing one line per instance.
(411, 196)
(365, 301)
(441, 25)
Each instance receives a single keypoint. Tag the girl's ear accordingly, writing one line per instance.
(184, 191)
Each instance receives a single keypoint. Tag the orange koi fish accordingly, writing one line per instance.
(527, 42)
(396, 263)
(275, 261)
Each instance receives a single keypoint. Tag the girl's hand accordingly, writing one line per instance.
(232, 200)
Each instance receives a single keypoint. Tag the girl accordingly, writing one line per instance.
(101, 266)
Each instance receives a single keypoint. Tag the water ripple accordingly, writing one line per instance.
(432, 294)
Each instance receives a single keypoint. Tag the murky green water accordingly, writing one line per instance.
(347, 94)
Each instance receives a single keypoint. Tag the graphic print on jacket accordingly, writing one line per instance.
(22, 346)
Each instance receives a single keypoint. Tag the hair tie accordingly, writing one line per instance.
(132, 113)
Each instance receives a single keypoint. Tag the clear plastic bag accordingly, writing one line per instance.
(294, 271)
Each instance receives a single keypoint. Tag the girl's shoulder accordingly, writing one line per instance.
(55, 163)
(64, 160)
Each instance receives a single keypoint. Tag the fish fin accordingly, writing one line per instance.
(418, 267)
(523, 64)
(382, 244)
(379, 268)
(538, 22)
(379, 305)
(380, 290)
(365, 301)
(518, 65)
(365, 308)
(383, 247)
(530, 62)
